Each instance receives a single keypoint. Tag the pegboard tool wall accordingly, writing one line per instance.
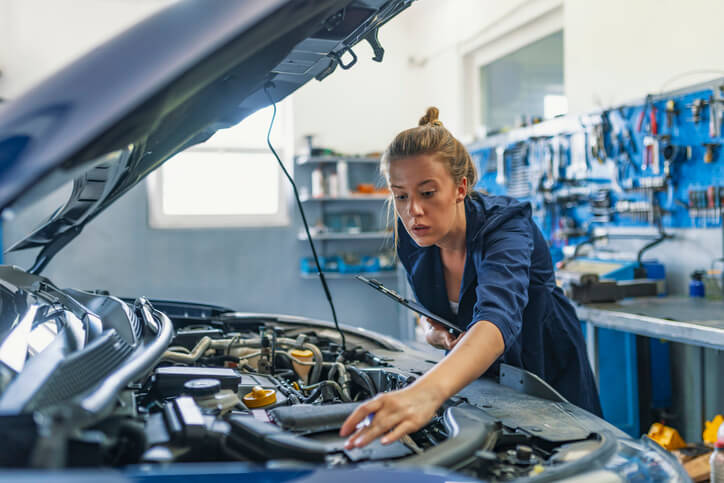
(656, 163)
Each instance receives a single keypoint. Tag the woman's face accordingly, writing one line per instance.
(426, 197)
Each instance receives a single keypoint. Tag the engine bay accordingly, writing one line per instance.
(89, 380)
(258, 390)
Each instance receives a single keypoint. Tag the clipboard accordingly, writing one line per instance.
(412, 305)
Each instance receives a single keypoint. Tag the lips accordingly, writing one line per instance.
(420, 229)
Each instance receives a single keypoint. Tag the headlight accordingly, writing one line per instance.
(645, 460)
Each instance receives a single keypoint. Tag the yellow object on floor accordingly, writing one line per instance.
(667, 437)
(711, 428)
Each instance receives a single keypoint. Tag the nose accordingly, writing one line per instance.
(415, 207)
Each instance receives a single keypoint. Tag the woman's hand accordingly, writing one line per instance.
(437, 335)
(393, 414)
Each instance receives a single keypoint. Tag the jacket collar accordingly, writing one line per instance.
(424, 264)
(475, 221)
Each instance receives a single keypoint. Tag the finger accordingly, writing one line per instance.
(372, 432)
(448, 340)
(350, 424)
(406, 427)
(434, 340)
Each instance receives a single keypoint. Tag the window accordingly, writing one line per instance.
(513, 67)
(231, 180)
(524, 84)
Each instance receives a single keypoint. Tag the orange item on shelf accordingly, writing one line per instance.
(366, 188)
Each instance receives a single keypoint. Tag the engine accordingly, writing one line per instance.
(275, 394)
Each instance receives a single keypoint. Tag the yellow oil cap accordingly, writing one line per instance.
(301, 354)
(260, 397)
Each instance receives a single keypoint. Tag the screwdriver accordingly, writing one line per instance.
(710, 196)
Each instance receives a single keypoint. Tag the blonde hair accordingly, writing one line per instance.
(429, 137)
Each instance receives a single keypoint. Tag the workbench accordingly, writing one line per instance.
(688, 320)
(698, 323)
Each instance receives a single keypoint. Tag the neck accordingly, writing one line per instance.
(454, 241)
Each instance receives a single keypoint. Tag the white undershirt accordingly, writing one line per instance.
(454, 306)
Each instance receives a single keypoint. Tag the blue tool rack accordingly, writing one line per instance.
(658, 162)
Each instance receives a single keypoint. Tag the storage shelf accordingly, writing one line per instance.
(306, 199)
(370, 235)
(337, 275)
(301, 160)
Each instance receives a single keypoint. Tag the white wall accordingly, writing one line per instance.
(614, 50)
(617, 50)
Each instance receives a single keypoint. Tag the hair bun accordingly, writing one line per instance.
(431, 117)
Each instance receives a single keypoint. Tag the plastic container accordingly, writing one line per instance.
(716, 461)
(696, 285)
(343, 178)
(333, 185)
(328, 264)
(370, 264)
(350, 264)
(317, 183)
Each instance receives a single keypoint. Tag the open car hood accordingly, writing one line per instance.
(178, 77)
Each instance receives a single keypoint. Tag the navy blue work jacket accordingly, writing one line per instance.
(508, 280)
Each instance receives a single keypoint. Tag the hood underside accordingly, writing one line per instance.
(170, 82)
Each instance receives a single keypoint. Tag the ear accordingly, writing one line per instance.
(462, 190)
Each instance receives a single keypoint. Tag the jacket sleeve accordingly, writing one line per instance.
(502, 262)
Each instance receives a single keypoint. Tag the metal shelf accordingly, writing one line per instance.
(337, 275)
(345, 198)
(301, 160)
(370, 235)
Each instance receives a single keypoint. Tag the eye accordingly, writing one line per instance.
(401, 197)
(428, 194)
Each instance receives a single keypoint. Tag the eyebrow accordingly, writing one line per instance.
(418, 184)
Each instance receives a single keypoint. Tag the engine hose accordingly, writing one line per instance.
(294, 396)
(194, 356)
(340, 391)
(249, 356)
(343, 377)
(367, 381)
(318, 388)
(206, 342)
(313, 395)
(236, 341)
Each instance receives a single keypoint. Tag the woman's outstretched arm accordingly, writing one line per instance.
(398, 413)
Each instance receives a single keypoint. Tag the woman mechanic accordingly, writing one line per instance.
(481, 262)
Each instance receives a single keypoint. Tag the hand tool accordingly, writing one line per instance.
(709, 154)
(696, 108)
(714, 115)
(710, 203)
(671, 112)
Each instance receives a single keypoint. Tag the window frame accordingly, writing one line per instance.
(532, 22)
(157, 219)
